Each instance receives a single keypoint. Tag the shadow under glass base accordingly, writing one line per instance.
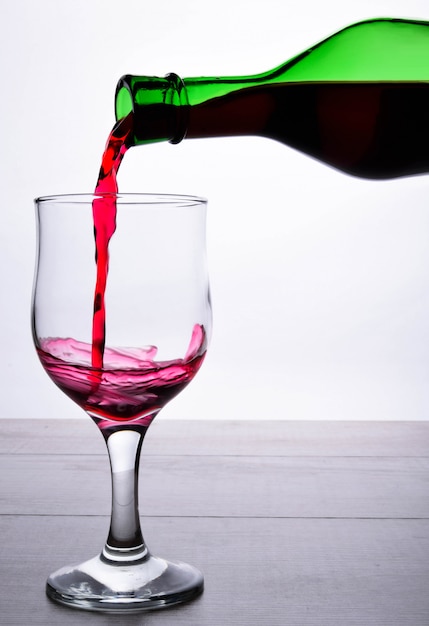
(112, 587)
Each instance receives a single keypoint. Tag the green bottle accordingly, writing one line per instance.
(358, 101)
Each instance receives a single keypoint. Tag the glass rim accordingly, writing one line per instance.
(123, 198)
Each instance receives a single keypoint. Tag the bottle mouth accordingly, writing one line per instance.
(159, 107)
(123, 99)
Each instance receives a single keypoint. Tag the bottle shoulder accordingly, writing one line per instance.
(379, 49)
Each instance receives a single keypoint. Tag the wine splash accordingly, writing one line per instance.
(132, 385)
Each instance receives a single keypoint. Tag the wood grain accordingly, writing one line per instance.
(273, 438)
(222, 486)
(293, 524)
(257, 571)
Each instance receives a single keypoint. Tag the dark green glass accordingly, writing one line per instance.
(358, 101)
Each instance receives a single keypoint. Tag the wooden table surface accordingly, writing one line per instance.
(292, 523)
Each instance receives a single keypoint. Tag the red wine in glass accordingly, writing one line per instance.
(133, 386)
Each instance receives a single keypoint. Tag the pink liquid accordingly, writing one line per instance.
(104, 214)
(132, 384)
(116, 384)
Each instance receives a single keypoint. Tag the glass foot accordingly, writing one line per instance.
(112, 587)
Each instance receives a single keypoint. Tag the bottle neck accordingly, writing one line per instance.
(171, 108)
(227, 107)
(159, 107)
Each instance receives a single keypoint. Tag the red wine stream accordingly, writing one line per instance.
(116, 383)
(104, 215)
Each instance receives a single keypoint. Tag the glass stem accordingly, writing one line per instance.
(125, 542)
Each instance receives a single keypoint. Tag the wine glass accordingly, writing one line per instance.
(121, 330)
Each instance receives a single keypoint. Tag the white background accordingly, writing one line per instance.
(320, 282)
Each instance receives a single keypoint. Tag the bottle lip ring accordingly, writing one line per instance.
(169, 90)
(178, 88)
(124, 103)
